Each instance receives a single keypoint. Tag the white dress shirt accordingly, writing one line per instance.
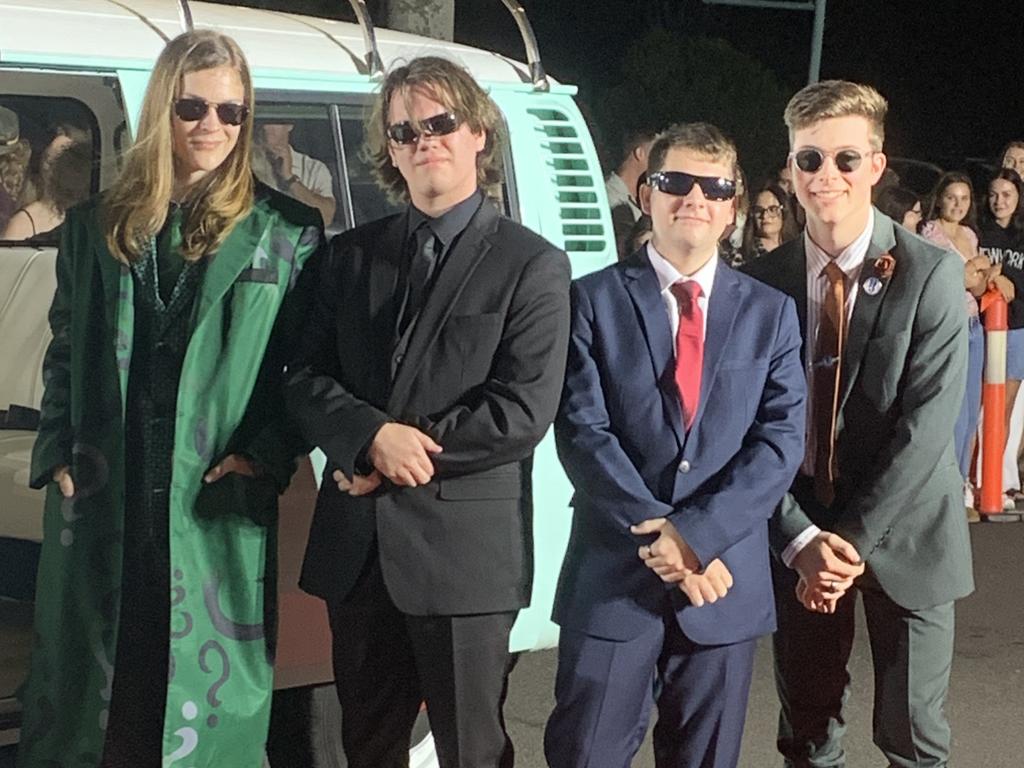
(618, 193)
(851, 261)
(668, 275)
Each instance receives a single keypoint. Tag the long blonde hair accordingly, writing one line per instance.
(135, 207)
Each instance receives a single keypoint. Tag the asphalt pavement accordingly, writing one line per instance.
(986, 704)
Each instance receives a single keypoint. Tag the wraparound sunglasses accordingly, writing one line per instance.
(679, 184)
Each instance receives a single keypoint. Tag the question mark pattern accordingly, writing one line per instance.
(189, 736)
(100, 653)
(178, 594)
(230, 629)
(225, 673)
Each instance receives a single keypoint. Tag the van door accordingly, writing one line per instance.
(71, 129)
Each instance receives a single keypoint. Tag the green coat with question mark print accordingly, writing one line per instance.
(243, 322)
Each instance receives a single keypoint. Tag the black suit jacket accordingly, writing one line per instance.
(481, 373)
(898, 497)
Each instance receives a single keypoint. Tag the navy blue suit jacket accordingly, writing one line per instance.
(620, 436)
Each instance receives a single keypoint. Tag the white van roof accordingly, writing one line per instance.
(132, 33)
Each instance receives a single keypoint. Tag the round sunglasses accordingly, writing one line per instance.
(679, 184)
(811, 159)
(190, 110)
(436, 125)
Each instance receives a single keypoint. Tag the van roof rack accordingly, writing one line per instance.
(538, 76)
(185, 16)
(374, 65)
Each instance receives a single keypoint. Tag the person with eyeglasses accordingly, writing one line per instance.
(681, 426)
(430, 369)
(771, 223)
(875, 509)
(162, 440)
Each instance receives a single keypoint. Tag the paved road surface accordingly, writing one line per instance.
(986, 702)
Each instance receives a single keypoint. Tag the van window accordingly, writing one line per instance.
(49, 162)
(369, 201)
(61, 134)
(294, 151)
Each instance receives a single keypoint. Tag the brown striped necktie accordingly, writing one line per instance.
(828, 363)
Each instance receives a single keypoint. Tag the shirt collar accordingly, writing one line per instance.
(668, 274)
(850, 259)
(449, 224)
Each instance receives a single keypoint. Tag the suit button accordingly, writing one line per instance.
(684, 466)
(399, 358)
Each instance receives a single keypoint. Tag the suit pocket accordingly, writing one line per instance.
(470, 344)
(484, 485)
(884, 358)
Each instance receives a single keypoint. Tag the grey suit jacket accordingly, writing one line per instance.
(899, 493)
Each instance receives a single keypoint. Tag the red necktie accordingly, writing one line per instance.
(689, 346)
(828, 362)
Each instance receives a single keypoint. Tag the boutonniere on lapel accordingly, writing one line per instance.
(883, 268)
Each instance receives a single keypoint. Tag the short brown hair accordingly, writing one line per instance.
(701, 138)
(838, 98)
(451, 85)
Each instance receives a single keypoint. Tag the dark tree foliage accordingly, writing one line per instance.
(668, 77)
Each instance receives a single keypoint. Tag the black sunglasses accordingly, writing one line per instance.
(190, 110)
(810, 160)
(679, 184)
(437, 125)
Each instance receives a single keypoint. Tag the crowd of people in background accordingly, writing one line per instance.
(985, 227)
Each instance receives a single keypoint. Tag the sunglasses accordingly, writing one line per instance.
(438, 125)
(770, 210)
(811, 159)
(190, 110)
(679, 184)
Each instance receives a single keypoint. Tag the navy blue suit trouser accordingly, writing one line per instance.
(604, 691)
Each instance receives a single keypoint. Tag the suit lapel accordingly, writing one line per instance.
(866, 306)
(244, 247)
(472, 246)
(726, 298)
(384, 261)
(793, 282)
(644, 289)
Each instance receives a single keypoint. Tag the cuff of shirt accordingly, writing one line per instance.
(796, 545)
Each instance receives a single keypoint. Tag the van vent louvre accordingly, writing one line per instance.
(582, 228)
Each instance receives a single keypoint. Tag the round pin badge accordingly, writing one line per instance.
(872, 286)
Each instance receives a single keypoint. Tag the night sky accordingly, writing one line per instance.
(951, 69)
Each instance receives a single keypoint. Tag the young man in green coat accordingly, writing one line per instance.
(162, 440)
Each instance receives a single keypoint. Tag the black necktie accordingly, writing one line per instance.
(421, 268)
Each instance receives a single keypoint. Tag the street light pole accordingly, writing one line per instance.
(818, 6)
(816, 40)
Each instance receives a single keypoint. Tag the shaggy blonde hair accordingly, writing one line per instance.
(135, 208)
(838, 98)
(449, 84)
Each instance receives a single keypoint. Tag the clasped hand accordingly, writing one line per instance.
(827, 565)
(399, 453)
(672, 559)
